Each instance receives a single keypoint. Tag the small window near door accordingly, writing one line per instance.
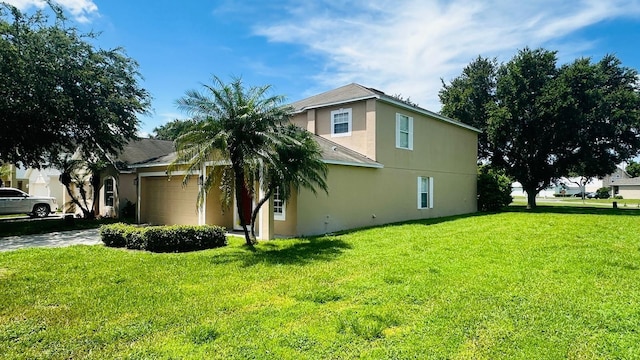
(108, 192)
(278, 206)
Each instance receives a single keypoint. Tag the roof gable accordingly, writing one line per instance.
(356, 92)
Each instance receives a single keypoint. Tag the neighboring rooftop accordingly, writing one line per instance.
(142, 150)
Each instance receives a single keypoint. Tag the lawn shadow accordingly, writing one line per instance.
(301, 252)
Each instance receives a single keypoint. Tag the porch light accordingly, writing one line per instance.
(200, 180)
(135, 181)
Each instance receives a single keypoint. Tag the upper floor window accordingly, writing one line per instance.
(341, 122)
(278, 206)
(404, 132)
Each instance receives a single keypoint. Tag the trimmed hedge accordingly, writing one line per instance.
(176, 238)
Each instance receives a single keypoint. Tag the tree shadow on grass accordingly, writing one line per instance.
(300, 252)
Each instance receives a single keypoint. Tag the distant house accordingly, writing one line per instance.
(565, 187)
(388, 161)
(622, 184)
(45, 182)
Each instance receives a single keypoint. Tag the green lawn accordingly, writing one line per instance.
(555, 283)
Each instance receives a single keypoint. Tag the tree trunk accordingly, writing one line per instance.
(239, 185)
(531, 198)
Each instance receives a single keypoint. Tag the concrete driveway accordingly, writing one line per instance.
(55, 239)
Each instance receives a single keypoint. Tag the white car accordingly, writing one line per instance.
(15, 201)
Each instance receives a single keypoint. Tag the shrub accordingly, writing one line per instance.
(494, 189)
(112, 235)
(618, 197)
(603, 193)
(177, 238)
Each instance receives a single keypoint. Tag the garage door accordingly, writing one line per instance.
(165, 202)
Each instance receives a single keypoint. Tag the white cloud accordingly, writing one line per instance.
(82, 10)
(405, 47)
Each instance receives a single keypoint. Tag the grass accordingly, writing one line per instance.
(589, 203)
(554, 283)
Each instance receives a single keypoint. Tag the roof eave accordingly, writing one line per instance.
(429, 113)
(357, 164)
(336, 103)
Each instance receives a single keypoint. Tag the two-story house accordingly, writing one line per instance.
(388, 161)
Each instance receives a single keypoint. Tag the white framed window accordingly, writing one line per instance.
(109, 193)
(341, 122)
(425, 192)
(404, 132)
(279, 206)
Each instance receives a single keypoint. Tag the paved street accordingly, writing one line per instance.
(55, 239)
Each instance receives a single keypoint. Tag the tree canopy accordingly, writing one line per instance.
(469, 97)
(544, 122)
(59, 92)
(633, 169)
(172, 130)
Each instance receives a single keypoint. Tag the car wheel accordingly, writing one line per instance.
(41, 210)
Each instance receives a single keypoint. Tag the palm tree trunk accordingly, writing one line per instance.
(254, 215)
(239, 185)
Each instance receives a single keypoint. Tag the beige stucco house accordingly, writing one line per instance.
(388, 161)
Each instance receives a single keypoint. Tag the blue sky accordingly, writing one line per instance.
(305, 47)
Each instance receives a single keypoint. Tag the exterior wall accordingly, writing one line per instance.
(629, 192)
(165, 202)
(288, 226)
(360, 197)
(363, 129)
(125, 190)
(438, 147)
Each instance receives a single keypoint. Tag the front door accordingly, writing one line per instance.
(247, 205)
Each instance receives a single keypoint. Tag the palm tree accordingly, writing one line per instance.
(299, 165)
(230, 123)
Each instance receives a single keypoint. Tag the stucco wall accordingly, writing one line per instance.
(629, 192)
(288, 226)
(363, 130)
(437, 146)
(360, 197)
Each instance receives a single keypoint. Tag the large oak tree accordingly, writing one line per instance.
(60, 93)
(544, 122)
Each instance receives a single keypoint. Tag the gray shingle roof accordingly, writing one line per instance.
(351, 92)
(356, 92)
(142, 150)
(332, 153)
